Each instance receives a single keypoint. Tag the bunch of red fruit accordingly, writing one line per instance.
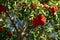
(2, 8)
(52, 9)
(1, 29)
(34, 6)
(45, 6)
(39, 20)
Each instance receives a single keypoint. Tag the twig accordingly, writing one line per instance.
(13, 23)
(7, 14)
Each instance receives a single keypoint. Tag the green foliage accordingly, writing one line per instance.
(24, 12)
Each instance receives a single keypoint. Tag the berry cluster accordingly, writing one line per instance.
(2, 8)
(53, 9)
(39, 20)
(34, 6)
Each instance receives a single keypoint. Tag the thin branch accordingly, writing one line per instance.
(13, 23)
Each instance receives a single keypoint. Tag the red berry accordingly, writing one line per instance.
(39, 20)
(8, 33)
(53, 9)
(2, 8)
(34, 6)
(45, 6)
(1, 29)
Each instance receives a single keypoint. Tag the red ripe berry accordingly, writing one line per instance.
(8, 33)
(2, 8)
(53, 9)
(34, 6)
(39, 20)
(1, 29)
(45, 6)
